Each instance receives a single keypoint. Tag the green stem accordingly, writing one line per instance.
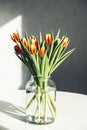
(29, 104)
(36, 110)
(51, 107)
(52, 102)
(44, 102)
(38, 104)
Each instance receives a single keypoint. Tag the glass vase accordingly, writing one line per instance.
(40, 100)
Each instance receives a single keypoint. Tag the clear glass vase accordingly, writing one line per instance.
(40, 100)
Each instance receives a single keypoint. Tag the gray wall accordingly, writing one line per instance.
(48, 15)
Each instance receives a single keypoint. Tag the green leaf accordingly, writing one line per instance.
(44, 65)
(51, 47)
(40, 37)
(56, 53)
(42, 43)
(27, 63)
(61, 59)
(57, 36)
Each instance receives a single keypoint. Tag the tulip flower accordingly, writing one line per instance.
(42, 51)
(33, 48)
(17, 49)
(15, 37)
(65, 43)
(48, 39)
(34, 40)
(25, 43)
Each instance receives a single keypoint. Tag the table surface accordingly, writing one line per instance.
(71, 112)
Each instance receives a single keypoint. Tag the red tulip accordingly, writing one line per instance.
(17, 49)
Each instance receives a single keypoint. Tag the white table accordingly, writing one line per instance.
(71, 112)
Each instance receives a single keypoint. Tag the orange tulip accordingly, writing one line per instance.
(17, 49)
(34, 40)
(33, 48)
(42, 51)
(65, 43)
(15, 37)
(25, 43)
(48, 39)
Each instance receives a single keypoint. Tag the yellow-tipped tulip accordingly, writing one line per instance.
(15, 37)
(33, 48)
(65, 43)
(34, 40)
(25, 43)
(48, 39)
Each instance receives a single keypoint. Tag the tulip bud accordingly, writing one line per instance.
(34, 40)
(25, 43)
(65, 43)
(15, 37)
(42, 51)
(17, 49)
(33, 48)
(48, 39)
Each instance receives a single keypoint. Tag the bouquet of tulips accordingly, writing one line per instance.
(42, 56)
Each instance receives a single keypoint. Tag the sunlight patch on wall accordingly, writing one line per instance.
(10, 65)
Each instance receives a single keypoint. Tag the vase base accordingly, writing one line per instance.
(34, 120)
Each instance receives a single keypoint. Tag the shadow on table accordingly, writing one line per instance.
(3, 128)
(13, 110)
